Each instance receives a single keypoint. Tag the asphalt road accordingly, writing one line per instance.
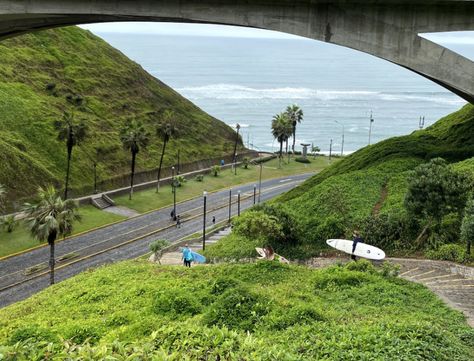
(23, 275)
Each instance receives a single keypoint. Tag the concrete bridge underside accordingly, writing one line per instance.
(387, 29)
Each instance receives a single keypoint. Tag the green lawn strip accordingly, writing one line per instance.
(20, 239)
(147, 200)
(258, 311)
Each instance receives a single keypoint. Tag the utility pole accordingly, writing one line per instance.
(235, 148)
(260, 182)
(370, 125)
(177, 170)
(95, 177)
(173, 188)
(342, 144)
(421, 122)
(230, 204)
(254, 193)
(204, 194)
(330, 150)
(238, 203)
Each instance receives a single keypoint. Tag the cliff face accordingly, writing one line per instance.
(69, 69)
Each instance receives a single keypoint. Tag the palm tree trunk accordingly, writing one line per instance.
(51, 239)
(132, 175)
(287, 154)
(159, 167)
(294, 138)
(69, 155)
(281, 153)
(468, 248)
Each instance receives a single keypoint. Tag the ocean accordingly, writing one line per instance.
(249, 80)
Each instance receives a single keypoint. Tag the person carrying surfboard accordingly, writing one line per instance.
(187, 256)
(356, 238)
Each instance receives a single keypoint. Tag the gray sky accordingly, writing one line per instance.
(466, 37)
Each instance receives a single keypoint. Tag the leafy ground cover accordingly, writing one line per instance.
(21, 239)
(259, 311)
(147, 200)
(48, 72)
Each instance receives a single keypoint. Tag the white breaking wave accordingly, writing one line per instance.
(236, 92)
(230, 91)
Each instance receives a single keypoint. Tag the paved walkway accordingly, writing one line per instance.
(454, 284)
(174, 257)
(122, 211)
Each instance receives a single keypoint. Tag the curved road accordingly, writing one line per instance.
(25, 274)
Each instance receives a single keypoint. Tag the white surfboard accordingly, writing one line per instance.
(362, 250)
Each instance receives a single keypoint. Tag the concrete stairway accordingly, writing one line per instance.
(102, 201)
(454, 284)
(174, 257)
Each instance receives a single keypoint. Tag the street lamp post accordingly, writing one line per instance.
(95, 178)
(204, 194)
(342, 144)
(260, 182)
(370, 126)
(330, 150)
(235, 148)
(173, 189)
(230, 204)
(238, 203)
(254, 193)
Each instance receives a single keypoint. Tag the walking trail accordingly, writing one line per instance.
(453, 283)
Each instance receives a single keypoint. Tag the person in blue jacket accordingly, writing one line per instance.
(187, 256)
(356, 238)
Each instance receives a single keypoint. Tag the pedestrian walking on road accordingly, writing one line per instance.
(172, 215)
(187, 256)
(213, 219)
(178, 221)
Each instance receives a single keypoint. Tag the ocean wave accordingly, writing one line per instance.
(236, 92)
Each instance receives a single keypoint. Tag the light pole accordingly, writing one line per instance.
(342, 144)
(370, 126)
(254, 193)
(238, 203)
(237, 126)
(230, 204)
(173, 189)
(204, 194)
(330, 150)
(421, 122)
(260, 182)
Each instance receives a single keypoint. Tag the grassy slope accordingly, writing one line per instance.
(373, 180)
(452, 138)
(114, 89)
(291, 313)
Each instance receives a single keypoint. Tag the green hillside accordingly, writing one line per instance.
(69, 69)
(262, 311)
(366, 190)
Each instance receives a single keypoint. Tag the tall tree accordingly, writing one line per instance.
(167, 129)
(49, 219)
(73, 133)
(134, 136)
(434, 190)
(295, 113)
(467, 226)
(281, 130)
(2, 197)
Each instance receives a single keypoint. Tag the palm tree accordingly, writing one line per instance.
(281, 130)
(2, 196)
(167, 129)
(73, 133)
(133, 136)
(49, 219)
(295, 113)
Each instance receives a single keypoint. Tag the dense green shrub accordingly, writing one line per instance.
(223, 284)
(340, 279)
(449, 252)
(299, 315)
(302, 160)
(32, 333)
(258, 225)
(176, 302)
(237, 308)
(80, 333)
(199, 178)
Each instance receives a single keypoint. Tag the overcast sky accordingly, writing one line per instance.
(221, 30)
